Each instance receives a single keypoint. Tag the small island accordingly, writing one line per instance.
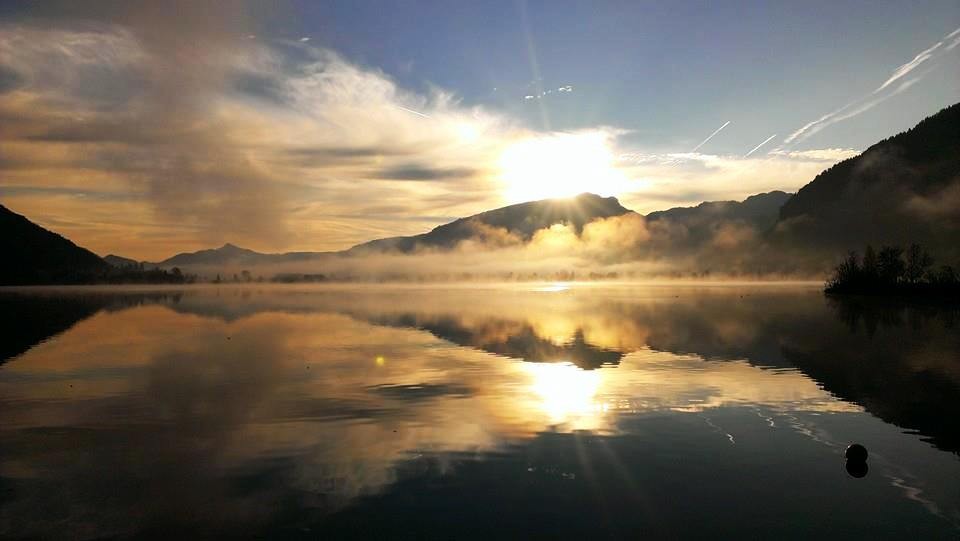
(893, 272)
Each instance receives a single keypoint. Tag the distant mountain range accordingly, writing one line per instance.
(520, 221)
(901, 190)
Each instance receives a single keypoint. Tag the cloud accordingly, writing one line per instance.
(665, 180)
(272, 144)
(424, 172)
(249, 141)
(831, 155)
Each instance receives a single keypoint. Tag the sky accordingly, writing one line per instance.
(150, 128)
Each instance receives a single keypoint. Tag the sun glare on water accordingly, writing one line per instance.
(560, 166)
(567, 394)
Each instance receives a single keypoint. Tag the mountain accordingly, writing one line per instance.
(235, 256)
(520, 220)
(228, 253)
(34, 255)
(702, 222)
(684, 229)
(120, 261)
(901, 190)
(761, 210)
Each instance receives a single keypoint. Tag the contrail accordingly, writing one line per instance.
(904, 69)
(865, 102)
(756, 148)
(412, 111)
(711, 136)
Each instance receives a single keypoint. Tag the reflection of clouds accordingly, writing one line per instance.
(282, 386)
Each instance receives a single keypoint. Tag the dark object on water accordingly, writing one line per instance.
(857, 468)
(855, 453)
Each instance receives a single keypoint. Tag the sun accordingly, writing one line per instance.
(561, 165)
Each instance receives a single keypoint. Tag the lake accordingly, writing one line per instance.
(531, 411)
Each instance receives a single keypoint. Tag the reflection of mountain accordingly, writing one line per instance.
(27, 319)
(509, 338)
(906, 371)
(901, 363)
(274, 400)
(902, 366)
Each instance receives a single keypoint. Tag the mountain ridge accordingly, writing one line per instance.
(36, 255)
(903, 189)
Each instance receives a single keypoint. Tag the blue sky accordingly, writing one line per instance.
(671, 71)
(149, 128)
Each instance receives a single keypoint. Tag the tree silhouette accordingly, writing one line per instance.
(890, 265)
(918, 261)
(888, 273)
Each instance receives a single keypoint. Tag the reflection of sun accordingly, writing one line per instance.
(567, 393)
(560, 166)
(554, 287)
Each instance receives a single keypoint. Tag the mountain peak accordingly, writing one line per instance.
(591, 195)
(228, 253)
(521, 220)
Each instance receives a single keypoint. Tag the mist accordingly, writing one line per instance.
(626, 248)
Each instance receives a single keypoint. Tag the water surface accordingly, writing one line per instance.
(475, 412)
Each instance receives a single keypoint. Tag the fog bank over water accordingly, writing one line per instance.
(620, 247)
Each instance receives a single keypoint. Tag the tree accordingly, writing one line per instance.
(946, 275)
(245, 274)
(849, 269)
(918, 261)
(870, 267)
(890, 264)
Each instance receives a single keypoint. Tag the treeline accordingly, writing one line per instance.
(138, 274)
(893, 271)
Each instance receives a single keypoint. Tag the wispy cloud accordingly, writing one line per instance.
(882, 92)
(685, 179)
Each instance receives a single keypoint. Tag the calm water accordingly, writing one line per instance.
(487, 412)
